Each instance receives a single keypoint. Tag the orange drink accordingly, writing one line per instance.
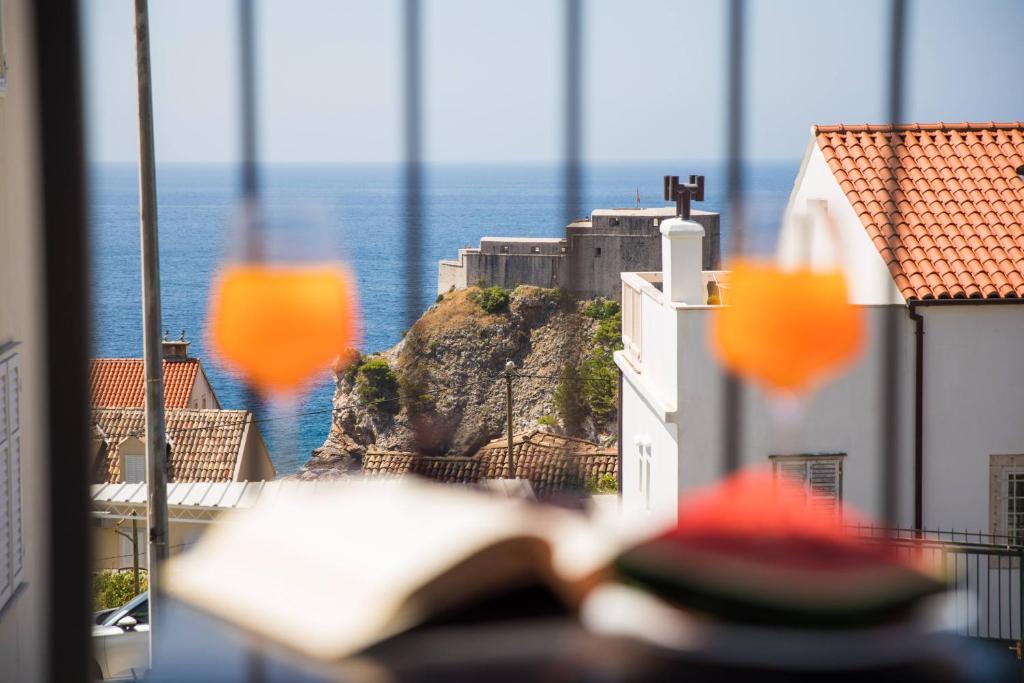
(279, 325)
(786, 329)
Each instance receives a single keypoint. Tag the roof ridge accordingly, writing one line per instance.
(136, 409)
(908, 127)
(137, 359)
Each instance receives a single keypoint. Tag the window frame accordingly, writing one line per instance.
(807, 459)
(1001, 466)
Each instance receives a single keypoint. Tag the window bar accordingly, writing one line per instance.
(977, 594)
(247, 66)
(732, 390)
(65, 248)
(412, 171)
(412, 177)
(249, 225)
(251, 235)
(890, 381)
(572, 174)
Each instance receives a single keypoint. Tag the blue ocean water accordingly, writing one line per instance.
(361, 209)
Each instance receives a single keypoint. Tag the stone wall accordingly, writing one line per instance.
(597, 250)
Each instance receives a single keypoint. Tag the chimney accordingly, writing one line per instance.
(176, 349)
(682, 261)
(682, 244)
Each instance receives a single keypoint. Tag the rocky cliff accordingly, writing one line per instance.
(442, 390)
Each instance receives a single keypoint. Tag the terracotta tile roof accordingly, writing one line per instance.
(204, 443)
(120, 382)
(960, 222)
(552, 464)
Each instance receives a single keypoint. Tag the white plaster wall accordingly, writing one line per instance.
(202, 389)
(641, 424)
(845, 244)
(842, 416)
(974, 401)
(658, 360)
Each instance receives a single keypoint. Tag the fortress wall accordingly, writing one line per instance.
(610, 243)
(512, 270)
(450, 274)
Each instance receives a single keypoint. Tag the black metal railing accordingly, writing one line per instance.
(986, 596)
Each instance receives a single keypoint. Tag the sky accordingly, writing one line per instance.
(653, 76)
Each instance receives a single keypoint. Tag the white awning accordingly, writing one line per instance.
(202, 502)
(196, 501)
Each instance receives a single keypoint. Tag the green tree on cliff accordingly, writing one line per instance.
(570, 404)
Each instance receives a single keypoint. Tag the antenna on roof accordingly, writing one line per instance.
(683, 193)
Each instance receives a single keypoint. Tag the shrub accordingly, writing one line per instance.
(112, 588)
(600, 308)
(547, 421)
(570, 404)
(600, 382)
(439, 299)
(353, 359)
(609, 332)
(606, 483)
(491, 299)
(377, 385)
(557, 295)
(413, 388)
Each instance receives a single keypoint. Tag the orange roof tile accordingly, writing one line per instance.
(120, 382)
(958, 205)
(552, 464)
(205, 443)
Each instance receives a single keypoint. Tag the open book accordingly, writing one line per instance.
(330, 574)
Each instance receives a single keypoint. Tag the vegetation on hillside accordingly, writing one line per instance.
(591, 388)
(491, 299)
(606, 483)
(377, 385)
(570, 405)
(441, 389)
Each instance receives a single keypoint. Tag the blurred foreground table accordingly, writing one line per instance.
(193, 646)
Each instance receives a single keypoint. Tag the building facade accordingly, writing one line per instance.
(120, 382)
(952, 270)
(24, 489)
(206, 447)
(591, 254)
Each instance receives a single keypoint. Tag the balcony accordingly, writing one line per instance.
(644, 291)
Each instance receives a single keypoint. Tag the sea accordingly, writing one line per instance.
(356, 213)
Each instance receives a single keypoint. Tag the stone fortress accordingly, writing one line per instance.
(595, 251)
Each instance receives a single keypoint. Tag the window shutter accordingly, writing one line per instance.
(796, 472)
(134, 468)
(14, 395)
(6, 580)
(14, 443)
(3, 401)
(821, 480)
(824, 480)
(8, 375)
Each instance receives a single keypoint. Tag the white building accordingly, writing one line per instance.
(953, 269)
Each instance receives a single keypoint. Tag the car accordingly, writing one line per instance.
(120, 640)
